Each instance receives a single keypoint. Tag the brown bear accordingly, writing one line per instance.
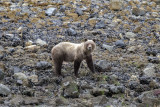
(72, 52)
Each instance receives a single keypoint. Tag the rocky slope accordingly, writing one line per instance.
(127, 58)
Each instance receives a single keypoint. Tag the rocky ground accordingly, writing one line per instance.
(127, 58)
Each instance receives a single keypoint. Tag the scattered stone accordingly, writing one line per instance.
(153, 59)
(109, 48)
(116, 4)
(30, 101)
(51, 11)
(43, 65)
(149, 70)
(1, 74)
(17, 100)
(150, 51)
(120, 44)
(150, 98)
(79, 11)
(61, 101)
(138, 11)
(99, 91)
(4, 90)
(16, 69)
(99, 101)
(71, 90)
(33, 78)
(100, 25)
(21, 78)
(103, 66)
(71, 32)
(116, 89)
(132, 49)
(130, 35)
(145, 80)
(41, 42)
(32, 48)
(62, 8)
(28, 43)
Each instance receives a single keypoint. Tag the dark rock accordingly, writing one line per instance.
(28, 92)
(120, 44)
(1, 74)
(11, 50)
(79, 11)
(153, 60)
(16, 41)
(43, 65)
(145, 80)
(71, 32)
(103, 66)
(62, 8)
(100, 25)
(133, 85)
(4, 90)
(150, 51)
(99, 91)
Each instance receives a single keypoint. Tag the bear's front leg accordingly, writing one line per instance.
(77, 64)
(90, 63)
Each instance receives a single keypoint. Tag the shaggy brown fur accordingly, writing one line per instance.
(71, 52)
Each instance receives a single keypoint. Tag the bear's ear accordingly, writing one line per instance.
(85, 40)
(94, 40)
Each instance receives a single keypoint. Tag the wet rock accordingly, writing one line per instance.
(100, 25)
(61, 101)
(150, 98)
(120, 44)
(79, 11)
(108, 47)
(145, 80)
(116, 89)
(70, 90)
(51, 11)
(1, 74)
(149, 70)
(138, 11)
(130, 35)
(30, 101)
(116, 4)
(71, 32)
(33, 78)
(43, 65)
(99, 91)
(41, 42)
(4, 90)
(99, 101)
(103, 66)
(153, 59)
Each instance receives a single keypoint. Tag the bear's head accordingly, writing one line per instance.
(89, 45)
